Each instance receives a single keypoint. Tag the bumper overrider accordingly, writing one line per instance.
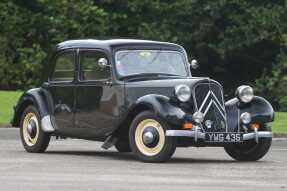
(197, 134)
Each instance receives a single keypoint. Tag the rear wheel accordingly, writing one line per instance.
(33, 138)
(147, 138)
(250, 150)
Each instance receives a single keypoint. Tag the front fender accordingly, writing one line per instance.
(260, 109)
(162, 107)
(42, 100)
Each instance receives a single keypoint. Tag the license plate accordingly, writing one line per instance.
(223, 137)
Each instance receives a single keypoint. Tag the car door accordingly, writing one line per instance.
(97, 99)
(62, 88)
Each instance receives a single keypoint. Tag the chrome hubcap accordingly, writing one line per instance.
(148, 137)
(32, 128)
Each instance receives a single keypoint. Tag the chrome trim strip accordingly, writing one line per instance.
(218, 102)
(224, 117)
(207, 108)
(260, 134)
(46, 124)
(184, 133)
(205, 99)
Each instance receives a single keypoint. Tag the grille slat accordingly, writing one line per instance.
(209, 100)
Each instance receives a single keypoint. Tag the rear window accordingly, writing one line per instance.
(64, 67)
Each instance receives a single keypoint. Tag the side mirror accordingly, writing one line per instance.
(103, 63)
(194, 64)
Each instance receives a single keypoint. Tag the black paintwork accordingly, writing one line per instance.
(260, 109)
(97, 109)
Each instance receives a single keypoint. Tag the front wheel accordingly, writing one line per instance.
(250, 150)
(147, 138)
(33, 138)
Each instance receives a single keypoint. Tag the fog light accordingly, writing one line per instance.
(198, 117)
(254, 126)
(245, 118)
(187, 125)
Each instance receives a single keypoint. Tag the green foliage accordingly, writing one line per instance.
(29, 30)
(280, 123)
(235, 41)
(272, 84)
(283, 104)
(8, 100)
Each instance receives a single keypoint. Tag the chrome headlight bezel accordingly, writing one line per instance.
(182, 92)
(245, 93)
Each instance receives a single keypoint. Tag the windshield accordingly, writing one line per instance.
(137, 62)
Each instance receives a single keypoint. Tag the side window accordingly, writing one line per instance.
(64, 67)
(89, 67)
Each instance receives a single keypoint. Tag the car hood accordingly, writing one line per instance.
(137, 89)
(166, 82)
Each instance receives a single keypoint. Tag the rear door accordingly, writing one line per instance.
(62, 88)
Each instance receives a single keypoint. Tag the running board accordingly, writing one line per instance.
(109, 142)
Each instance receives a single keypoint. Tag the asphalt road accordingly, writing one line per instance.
(83, 165)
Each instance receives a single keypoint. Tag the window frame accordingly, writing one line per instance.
(79, 65)
(54, 61)
(183, 53)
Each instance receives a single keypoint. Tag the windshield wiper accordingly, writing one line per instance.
(147, 75)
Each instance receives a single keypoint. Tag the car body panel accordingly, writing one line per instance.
(98, 108)
(260, 109)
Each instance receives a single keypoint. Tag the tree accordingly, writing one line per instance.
(235, 41)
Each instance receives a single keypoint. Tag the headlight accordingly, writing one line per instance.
(245, 118)
(182, 93)
(198, 117)
(245, 93)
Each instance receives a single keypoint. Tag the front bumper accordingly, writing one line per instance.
(256, 135)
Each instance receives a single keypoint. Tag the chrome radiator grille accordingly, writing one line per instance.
(209, 100)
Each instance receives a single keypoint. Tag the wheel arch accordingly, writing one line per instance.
(123, 129)
(19, 109)
(159, 104)
(260, 109)
(41, 99)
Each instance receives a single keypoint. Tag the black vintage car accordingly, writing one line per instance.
(139, 96)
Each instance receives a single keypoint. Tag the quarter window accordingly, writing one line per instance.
(64, 67)
(89, 67)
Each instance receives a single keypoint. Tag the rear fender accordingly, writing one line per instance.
(42, 100)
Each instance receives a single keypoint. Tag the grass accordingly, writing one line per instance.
(280, 123)
(9, 98)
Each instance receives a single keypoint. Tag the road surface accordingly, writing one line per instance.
(82, 165)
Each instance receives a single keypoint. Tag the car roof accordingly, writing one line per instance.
(112, 43)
